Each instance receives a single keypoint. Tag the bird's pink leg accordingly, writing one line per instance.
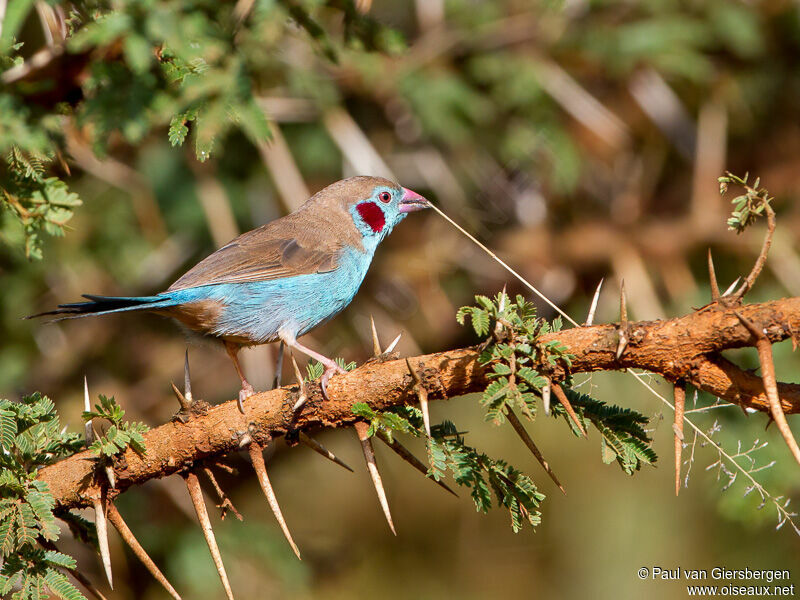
(331, 367)
(247, 389)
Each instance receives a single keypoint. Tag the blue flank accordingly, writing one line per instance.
(258, 309)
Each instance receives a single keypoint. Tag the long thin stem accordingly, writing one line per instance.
(505, 266)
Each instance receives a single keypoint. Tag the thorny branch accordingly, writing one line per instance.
(684, 348)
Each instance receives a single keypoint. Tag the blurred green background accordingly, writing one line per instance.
(579, 140)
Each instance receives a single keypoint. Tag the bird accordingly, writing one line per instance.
(281, 280)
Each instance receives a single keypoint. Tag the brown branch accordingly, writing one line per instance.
(685, 348)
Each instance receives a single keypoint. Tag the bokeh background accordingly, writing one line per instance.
(580, 140)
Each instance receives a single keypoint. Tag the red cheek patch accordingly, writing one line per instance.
(372, 215)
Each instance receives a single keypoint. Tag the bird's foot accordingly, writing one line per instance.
(331, 369)
(244, 393)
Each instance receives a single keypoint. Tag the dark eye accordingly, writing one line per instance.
(385, 197)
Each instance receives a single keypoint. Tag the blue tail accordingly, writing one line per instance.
(101, 305)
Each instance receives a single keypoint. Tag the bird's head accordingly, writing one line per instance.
(376, 205)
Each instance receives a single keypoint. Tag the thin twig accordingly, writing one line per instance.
(762, 256)
(505, 266)
(225, 503)
(699, 432)
(679, 395)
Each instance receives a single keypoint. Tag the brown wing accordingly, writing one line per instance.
(282, 248)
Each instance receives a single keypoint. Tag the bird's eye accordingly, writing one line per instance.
(385, 196)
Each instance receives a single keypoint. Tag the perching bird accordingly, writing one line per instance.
(279, 281)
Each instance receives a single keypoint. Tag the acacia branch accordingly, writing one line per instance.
(684, 348)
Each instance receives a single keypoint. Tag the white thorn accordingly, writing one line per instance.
(546, 398)
(369, 455)
(187, 380)
(390, 347)
(732, 287)
(102, 538)
(300, 403)
(593, 308)
(87, 407)
(376, 345)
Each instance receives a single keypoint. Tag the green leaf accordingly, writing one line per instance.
(8, 429)
(57, 559)
(61, 587)
(363, 410)
(177, 130)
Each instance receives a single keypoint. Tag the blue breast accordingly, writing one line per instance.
(257, 310)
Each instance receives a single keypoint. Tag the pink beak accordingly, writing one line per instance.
(412, 202)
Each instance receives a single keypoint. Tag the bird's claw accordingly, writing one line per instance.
(332, 370)
(244, 394)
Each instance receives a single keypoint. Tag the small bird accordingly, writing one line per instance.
(281, 280)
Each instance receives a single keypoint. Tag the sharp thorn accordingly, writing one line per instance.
(369, 455)
(391, 347)
(407, 456)
(712, 278)
(765, 358)
(422, 394)
(501, 306)
(622, 343)
(413, 373)
(196, 494)
(322, 450)
(526, 439)
(679, 396)
(102, 538)
(187, 380)
(376, 345)
(112, 479)
(732, 287)
(546, 397)
(593, 307)
(276, 382)
(562, 397)
(186, 405)
(127, 535)
(257, 458)
(87, 407)
(750, 326)
(623, 306)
